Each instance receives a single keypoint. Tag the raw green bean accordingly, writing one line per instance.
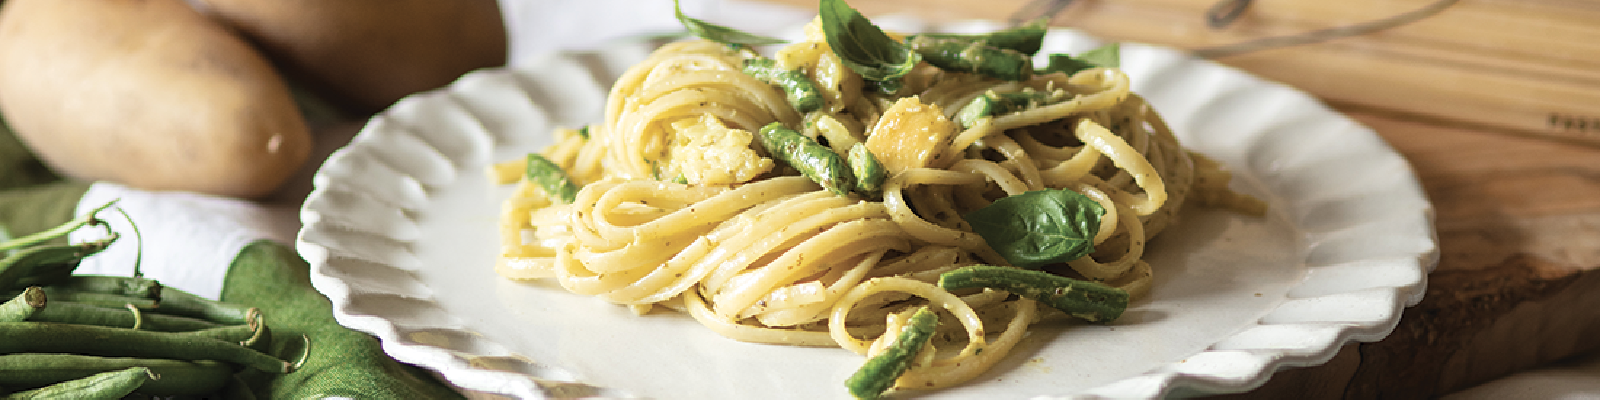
(551, 178)
(132, 286)
(98, 299)
(42, 337)
(1091, 301)
(973, 57)
(177, 377)
(179, 302)
(56, 232)
(801, 92)
(106, 385)
(869, 173)
(23, 306)
(880, 372)
(43, 259)
(812, 159)
(65, 312)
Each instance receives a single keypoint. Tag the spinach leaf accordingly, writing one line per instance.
(1109, 56)
(721, 34)
(1041, 227)
(862, 46)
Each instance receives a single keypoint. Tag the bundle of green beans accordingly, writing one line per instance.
(87, 336)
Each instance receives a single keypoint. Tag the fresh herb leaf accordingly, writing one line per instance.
(862, 46)
(1041, 227)
(1109, 56)
(721, 34)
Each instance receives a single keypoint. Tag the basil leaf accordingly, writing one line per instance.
(1025, 39)
(1109, 56)
(862, 46)
(1038, 228)
(719, 33)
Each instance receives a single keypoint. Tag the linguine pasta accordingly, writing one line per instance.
(681, 206)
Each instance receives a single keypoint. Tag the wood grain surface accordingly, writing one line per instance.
(1496, 103)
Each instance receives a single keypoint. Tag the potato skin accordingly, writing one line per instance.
(366, 54)
(147, 93)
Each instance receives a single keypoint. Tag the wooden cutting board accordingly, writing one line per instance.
(1496, 103)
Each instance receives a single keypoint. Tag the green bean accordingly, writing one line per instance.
(132, 286)
(801, 92)
(551, 178)
(98, 299)
(177, 377)
(1026, 38)
(45, 258)
(973, 57)
(869, 173)
(23, 306)
(66, 312)
(181, 303)
(992, 104)
(105, 385)
(812, 159)
(880, 372)
(57, 232)
(1091, 301)
(42, 337)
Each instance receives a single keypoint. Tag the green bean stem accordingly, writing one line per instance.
(869, 173)
(880, 372)
(551, 178)
(105, 385)
(1091, 301)
(177, 377)
(44, 259)
(57, 232)
(973, 57)
(801, 92)
(40, 337)
(812, 159)
(23, 306)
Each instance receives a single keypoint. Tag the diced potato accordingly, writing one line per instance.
(911, 134)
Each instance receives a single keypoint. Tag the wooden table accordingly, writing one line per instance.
(1496, 103)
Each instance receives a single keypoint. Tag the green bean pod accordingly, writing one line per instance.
(1026, 38)
(105, 385)
(65, 312)
(1091, 301)
(132, 286)
(45, 258)
(869, 173)
(177, 377)
(98, 299)
(40, 337)
(992, 104)
(812, 159)
(59, 231)
(801, 92)
(973, 57)
(551, 178)
(23, 306)
(181, 303)
(880, 372)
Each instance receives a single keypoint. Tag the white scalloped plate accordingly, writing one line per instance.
(400, 233)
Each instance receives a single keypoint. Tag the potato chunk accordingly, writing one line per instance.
(703, 151)
(911, 134)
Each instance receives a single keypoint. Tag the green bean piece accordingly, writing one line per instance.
(66, 312)
(181, 303)
(992, 104)
(973, 57)
(1091, 301)
(23, 306)
(880, 372)
(869, 173)
(1026, 38)
(58, 231)
(41, 337)
(105, 385)
(177, 377)
(98, 299)
(551, 178)
(812, 159)
(801, 92)
(46, 259)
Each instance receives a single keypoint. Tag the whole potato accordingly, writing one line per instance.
(148, 93)
(366, 54)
